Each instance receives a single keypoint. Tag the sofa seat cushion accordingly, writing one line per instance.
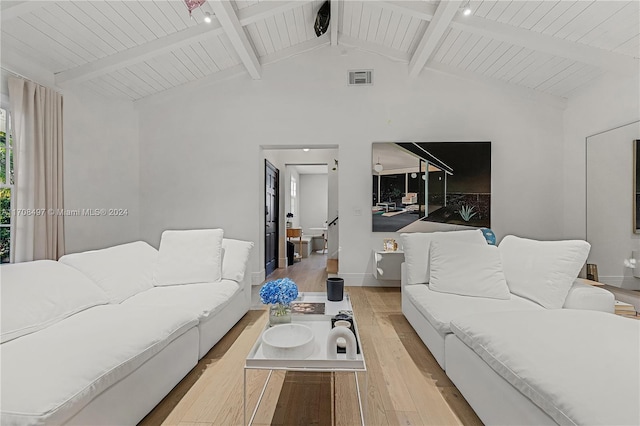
(440, 308)
(580, 367)
(204, 300)
(35, 295)
(48, 376)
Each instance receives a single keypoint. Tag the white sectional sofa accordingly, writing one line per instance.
(101, 337)
(526, 358)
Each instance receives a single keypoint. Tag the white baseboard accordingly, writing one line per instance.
(629, 283)
(257, 277)
(614, 281)
(365, 280)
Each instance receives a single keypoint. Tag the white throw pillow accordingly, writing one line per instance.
(38, 294)
(467, 270)
(121, 271)
(542, 271)
(416, 250)
(187, 257)
(235, 255)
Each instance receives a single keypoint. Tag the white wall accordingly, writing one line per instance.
(314, 202)
(607, 103)
(202, 149)
(100, 169)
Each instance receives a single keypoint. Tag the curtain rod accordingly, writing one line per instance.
(17, 74)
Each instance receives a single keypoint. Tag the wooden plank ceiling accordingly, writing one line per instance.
(133, 49)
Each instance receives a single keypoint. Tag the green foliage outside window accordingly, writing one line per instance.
(5, 218)
(3, 162)
(5, 199)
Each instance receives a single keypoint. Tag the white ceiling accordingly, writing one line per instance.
(312, 169)
(136, 48)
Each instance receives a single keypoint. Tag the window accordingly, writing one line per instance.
(6, 184)
(294, 191)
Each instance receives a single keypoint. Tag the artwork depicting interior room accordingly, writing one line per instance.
(234, 212)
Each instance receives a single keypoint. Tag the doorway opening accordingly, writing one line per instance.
(308, 206)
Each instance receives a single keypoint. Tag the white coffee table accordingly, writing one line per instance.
(318, 360)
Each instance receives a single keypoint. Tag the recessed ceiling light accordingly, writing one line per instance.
(305, 149)
(207, 17)
(467, 9)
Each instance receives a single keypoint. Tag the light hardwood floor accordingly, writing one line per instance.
(405, 384)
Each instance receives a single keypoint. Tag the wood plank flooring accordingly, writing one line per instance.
(405, 384)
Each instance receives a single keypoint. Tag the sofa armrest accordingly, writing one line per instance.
(588, 297)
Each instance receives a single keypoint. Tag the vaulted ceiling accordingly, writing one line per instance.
(133, 49)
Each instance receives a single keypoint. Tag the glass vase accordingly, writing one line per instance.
(279, 314)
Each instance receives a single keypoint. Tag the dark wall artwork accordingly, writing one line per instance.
(431, 186)
(636, 186)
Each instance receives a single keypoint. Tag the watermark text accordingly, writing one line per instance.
(71, 212)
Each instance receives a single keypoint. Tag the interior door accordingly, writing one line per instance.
(271, 181)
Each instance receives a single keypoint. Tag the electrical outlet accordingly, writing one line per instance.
(357, 212)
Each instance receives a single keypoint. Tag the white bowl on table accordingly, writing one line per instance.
(288, 341)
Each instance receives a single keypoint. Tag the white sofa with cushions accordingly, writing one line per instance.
(518, 333)
(100, 337)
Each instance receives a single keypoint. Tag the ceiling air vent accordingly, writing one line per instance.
(361, 78)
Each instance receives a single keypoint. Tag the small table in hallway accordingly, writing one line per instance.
(324, 237)
(296, 233)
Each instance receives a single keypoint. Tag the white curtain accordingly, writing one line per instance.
(37, 136)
